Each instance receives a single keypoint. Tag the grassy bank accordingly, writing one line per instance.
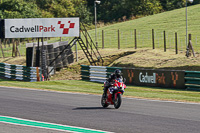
(96, 88)
(170, 22)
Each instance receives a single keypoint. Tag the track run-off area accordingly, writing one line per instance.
(31, 110)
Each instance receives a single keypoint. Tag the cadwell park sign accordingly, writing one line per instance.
(41, 27)
(158, 77)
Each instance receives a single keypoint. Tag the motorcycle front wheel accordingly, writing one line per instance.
(118, 101)
(103, 101)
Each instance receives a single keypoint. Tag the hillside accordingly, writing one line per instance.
(170, 22)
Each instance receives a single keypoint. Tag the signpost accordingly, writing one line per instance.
(40, 28)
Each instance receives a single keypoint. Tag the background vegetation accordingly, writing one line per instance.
(108, 10)
(170, 22)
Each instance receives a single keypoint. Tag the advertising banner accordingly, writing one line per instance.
(151, 77)
(42, 27)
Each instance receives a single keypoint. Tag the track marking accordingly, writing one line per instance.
(45, 125)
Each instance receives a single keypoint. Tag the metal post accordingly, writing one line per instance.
(186, 20)
(176, 41)
(135, 39)
(42, 48)
(43, 61)
(164, 42)
(118, 39)
(153, 39)
(38, 54)
(32, 65)
(76, 51)
(102, 39)
(1, 49)
(186, 24)
(95, 13)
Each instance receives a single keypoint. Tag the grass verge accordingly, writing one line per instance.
(96, 88)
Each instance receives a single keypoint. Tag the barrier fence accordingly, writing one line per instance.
(96, 73)
(145, 77)
(19, 72)
(192, 80)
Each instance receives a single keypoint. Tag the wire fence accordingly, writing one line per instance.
(144, 39)
(112, 38)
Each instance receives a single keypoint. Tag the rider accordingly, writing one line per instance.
(116, 75)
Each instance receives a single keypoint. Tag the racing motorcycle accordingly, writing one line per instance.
(114, 93)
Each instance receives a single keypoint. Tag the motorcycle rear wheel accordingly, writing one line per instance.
(103, 101)
(118, 101)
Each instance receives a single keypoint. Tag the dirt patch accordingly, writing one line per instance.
(157, 59)
(14, 60)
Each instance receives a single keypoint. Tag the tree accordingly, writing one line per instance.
(18, 9)
(82, 11)
(113, 10)
(172, 4)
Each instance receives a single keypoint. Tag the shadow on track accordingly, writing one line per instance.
(90, 108)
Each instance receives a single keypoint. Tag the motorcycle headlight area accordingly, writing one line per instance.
(122, 88)
(111, 89)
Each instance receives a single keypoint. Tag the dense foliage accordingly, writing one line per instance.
(107, 11)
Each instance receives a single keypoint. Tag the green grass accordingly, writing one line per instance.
(96, 88)
(171, 22)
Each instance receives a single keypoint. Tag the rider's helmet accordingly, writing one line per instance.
(117, 73)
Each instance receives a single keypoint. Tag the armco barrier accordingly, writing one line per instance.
(96, 73)
(139, 76)
(20, 72)
(192, 80)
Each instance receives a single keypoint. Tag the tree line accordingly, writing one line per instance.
(107, 10)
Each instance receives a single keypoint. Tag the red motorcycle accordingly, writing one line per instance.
(114, 93)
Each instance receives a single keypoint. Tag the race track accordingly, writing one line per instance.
(134, 115)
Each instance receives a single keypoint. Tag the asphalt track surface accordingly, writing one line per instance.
(134, 115)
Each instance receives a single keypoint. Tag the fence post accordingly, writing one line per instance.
(13, 49)
(190, 47)
(118, 40)
(1, 49)
(102, 39)
(8, 40)
(176, 41)
(164, 42)
(4, 42)
(135, 39)
(38, 54)
(17, 49)
(153, 39)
